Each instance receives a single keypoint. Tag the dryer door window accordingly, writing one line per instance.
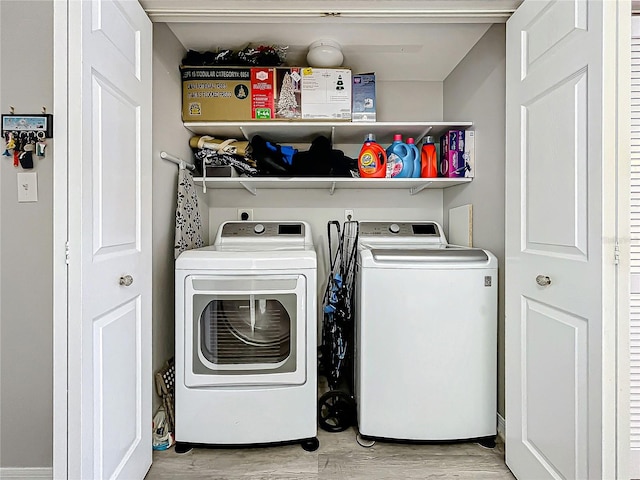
(250, 330)
(245, 330)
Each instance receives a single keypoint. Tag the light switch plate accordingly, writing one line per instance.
(27, 187)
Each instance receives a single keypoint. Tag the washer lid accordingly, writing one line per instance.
(444, 257)
(431, 255)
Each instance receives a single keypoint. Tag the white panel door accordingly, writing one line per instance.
(110, 378)
(560, 227)
(635, 251)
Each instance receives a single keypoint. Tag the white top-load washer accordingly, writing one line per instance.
(246, 323)
(426, 335)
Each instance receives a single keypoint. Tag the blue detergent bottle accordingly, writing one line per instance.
(399, 156)
(416, 157)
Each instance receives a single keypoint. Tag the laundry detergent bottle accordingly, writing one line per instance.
(429, 159)
(372, 161)
(415, 157)
(399, 158)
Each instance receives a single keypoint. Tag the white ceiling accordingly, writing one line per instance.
(417, 40)
(395, 51)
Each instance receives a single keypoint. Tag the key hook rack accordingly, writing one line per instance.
(25, 134)
(37, 123)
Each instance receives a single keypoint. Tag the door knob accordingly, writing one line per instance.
(126, 280)
(543, 280)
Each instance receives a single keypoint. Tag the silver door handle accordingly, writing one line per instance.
(543, 280)
(126, 280)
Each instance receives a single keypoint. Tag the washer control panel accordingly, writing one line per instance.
(263, 229)
(400, 229)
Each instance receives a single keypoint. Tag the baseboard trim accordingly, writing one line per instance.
(21, 473)
(502, 428)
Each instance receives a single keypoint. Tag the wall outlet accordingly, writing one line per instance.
(348, 215)
(245, 214)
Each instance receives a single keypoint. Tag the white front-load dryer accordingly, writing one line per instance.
(426, 335)
(246, 326)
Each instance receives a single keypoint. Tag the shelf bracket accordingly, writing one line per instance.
(252, 190)
(332, 189)
(418, 189)
(244, 134)
(423, 134)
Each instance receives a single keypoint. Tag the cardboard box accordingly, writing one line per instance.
(287, 98)
(212, 94)
(221, 171)
(262, 93)
(326, 94)
(363, 107)
(452, 163)
(470, 153)
(443, 159)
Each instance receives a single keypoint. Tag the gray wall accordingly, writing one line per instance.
(475, 91)
(26, 239)
(169, 135)
(408, 101)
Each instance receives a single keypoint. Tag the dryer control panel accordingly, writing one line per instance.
(255, 230)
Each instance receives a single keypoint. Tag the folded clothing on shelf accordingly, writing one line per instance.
(319, 161)
(212, 160)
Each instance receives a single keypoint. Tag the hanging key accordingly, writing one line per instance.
(41, 145)
(18, 149)
(26, 157)
(9, 143)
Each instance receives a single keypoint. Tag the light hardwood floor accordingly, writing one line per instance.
(338, 458)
